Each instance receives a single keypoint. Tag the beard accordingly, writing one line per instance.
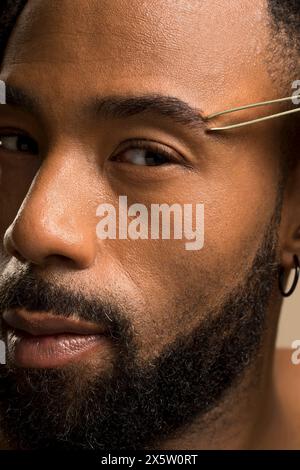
(135, 404)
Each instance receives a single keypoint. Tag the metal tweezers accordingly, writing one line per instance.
(253, 121)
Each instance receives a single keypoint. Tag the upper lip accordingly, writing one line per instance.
(42, 323)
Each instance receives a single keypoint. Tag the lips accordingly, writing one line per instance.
(39, 324)
(40, 339)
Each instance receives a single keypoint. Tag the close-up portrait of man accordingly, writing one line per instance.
(150, 224)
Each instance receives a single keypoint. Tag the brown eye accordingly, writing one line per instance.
(141, 153)
(18, 143)
(143, 157)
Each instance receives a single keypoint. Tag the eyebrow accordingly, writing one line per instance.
(122, 106)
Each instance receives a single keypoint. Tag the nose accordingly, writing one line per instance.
(54, 221)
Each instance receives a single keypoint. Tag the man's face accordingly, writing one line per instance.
(68, 55)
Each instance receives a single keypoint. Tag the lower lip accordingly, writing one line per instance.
(51, 351)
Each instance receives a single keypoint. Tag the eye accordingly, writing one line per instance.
(18, 143)
(145, 154)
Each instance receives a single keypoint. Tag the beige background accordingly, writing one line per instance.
(289, 326)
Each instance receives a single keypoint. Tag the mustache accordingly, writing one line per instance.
(28, 291)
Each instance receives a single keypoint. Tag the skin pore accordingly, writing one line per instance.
(66, 54)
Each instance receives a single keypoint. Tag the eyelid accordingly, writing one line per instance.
(6, 133)
(148, 144)
(12, 132)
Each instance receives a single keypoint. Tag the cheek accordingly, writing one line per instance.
(179, 287)
(241, 196)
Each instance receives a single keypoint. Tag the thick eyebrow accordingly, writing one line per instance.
(122, 106)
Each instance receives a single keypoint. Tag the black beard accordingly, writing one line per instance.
(136, 405)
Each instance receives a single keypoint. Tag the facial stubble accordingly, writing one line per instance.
(134, 405)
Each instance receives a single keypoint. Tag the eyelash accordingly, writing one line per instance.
(153, 147)
(133, 144)
(12, 134)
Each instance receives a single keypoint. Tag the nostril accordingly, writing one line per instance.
(10, 248)
(30, 239)
(18, 255)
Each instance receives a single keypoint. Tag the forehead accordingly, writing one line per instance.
(202, 48)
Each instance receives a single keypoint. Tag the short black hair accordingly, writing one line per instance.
(286, 15)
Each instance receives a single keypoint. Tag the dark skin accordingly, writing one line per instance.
(65, 54)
